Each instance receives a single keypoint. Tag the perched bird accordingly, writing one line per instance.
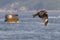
(11, 18)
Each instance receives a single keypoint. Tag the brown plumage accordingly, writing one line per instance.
(11, 18)
(42, 14)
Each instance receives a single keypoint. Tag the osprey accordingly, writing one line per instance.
(42, 14)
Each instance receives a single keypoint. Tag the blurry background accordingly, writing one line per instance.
(30, 4)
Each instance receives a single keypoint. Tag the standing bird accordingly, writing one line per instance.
(42, 14)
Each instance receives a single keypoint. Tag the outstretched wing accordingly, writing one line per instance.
(35, 14)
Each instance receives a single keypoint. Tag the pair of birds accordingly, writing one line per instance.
(43, 15)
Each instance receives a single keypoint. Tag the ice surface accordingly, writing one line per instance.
(30, 28)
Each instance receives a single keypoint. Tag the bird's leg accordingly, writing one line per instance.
(46, 22)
